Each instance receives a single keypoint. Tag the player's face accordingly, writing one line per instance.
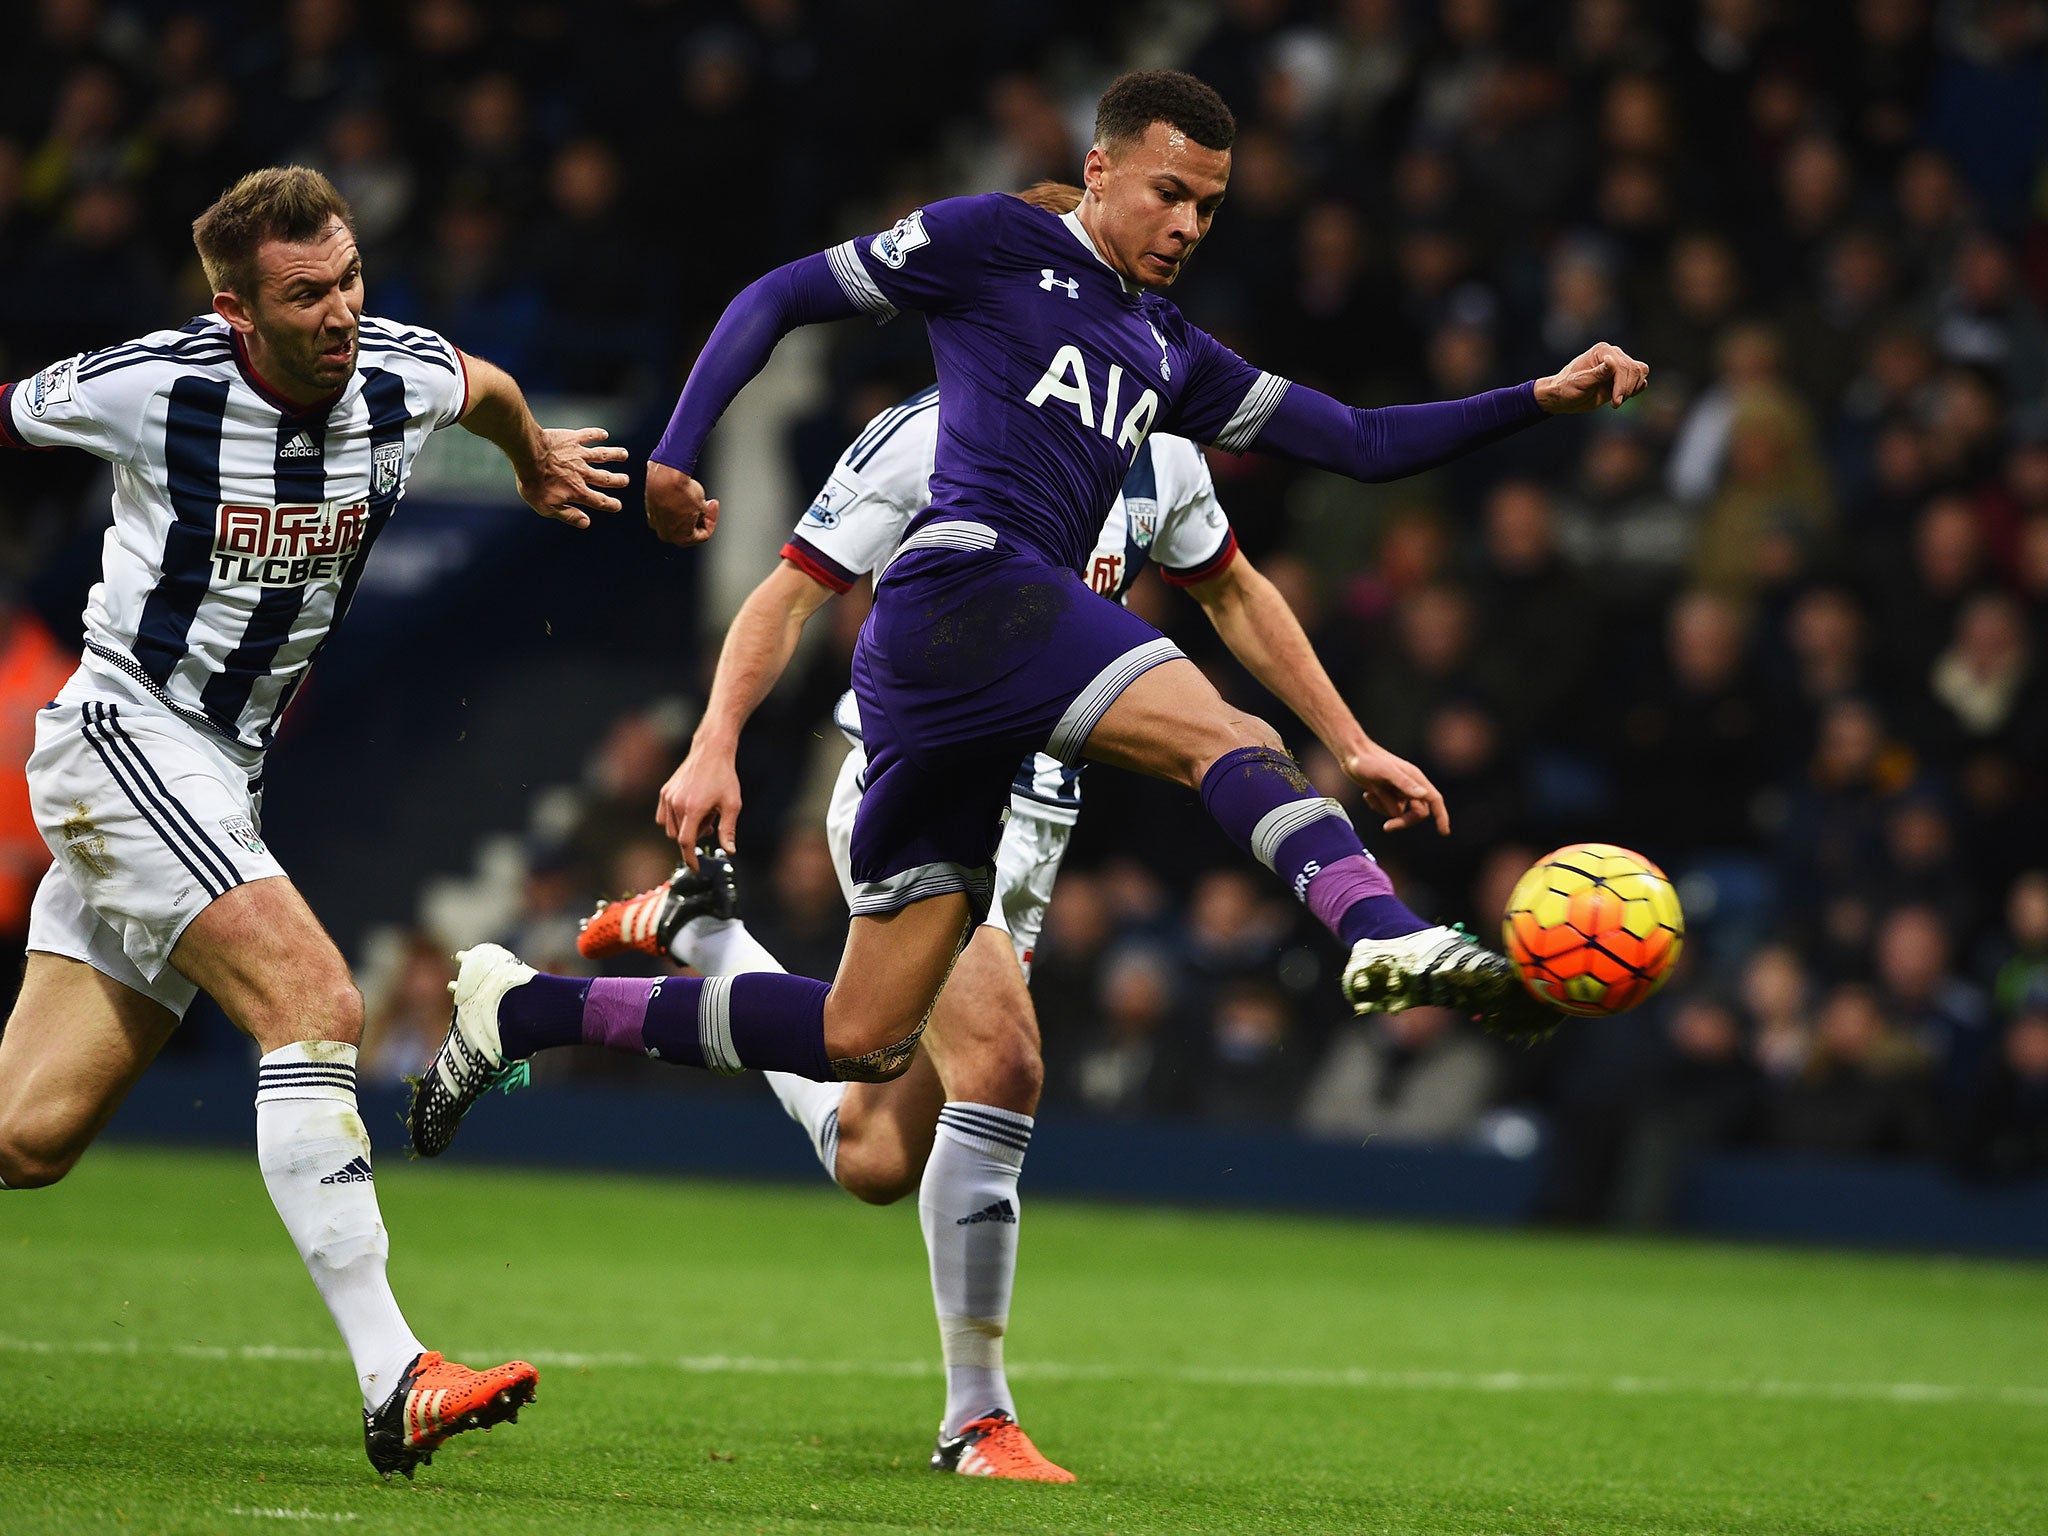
(302, 325)
(1153, 200)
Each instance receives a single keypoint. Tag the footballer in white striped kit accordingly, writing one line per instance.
(257, 454)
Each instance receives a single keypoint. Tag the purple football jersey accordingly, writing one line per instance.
(1052, 368)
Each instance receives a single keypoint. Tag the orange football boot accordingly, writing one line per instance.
(996, 1446)
(646, 924)
(435, 1400)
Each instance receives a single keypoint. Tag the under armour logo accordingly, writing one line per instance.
(1048, 282)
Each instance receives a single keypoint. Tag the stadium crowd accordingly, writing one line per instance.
(1783, 624)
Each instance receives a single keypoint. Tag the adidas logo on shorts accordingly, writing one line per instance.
(358, 1172)
(1002, 1210)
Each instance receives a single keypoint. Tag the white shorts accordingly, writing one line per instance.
(1027, 860)
(148, 819)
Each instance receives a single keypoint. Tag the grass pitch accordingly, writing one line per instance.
(735, 1359)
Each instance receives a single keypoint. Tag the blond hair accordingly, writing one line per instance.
(283, 202)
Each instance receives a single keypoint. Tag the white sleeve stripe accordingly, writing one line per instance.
(855, 283)
(1260, 401)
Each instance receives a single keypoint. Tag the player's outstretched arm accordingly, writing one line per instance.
(757, 649)
(1263, 633)
(1394, 441)
(803, 293)
(559, 470)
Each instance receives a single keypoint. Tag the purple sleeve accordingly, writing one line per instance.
(802, 293)
(1394, 440)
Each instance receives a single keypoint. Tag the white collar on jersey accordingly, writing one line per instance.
(1073, 222)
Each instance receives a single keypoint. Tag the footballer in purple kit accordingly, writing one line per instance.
(1057, 357)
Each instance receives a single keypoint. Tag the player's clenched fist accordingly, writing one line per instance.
(1603, 374)
(677, 509)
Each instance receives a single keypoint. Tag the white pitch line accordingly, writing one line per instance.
(1355, 1378)
(291, 1514)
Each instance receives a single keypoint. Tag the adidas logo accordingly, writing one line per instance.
(300, 447)
(358, 1172)
(1002, 1210)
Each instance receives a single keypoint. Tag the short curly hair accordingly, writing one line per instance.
(284, 202)
(1134, 102)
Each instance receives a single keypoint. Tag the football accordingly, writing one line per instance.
(1593, 929)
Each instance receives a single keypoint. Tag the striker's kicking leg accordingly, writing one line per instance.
(1172, 723)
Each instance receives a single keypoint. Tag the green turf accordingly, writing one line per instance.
(758, 1360)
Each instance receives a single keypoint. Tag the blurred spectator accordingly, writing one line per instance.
(1629, 540)
(1692, 741)
(1776, 994)
(1126, 1071)
(805, 926)
(1989, 106)
(1772, 516)
(2019, 970)
(1418, 1075)
(1862, 1094)
(361, 160)
(596, 279)
(1538, 625)
(1432, 659)
(2005, 1133)
(406, 1019)
(1988, 686)
(1705, 1093)
(1939, 1014)
(1251, 1073)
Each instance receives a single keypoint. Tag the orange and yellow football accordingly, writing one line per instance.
(1593, 929)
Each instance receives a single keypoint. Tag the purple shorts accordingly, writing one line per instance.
(974, 655)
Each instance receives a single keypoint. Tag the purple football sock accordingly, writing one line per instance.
(720, 1023)
(1267, 805)
(541, 1013)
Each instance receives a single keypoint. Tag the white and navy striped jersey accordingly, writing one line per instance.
(1166, 511)
(241, 521)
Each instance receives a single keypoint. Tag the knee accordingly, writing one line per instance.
(336, 1012)
(882, 1063)
(1233, 734)
(1016, 1074)
(27, 1166)
(874, 1182)
(871, 1050)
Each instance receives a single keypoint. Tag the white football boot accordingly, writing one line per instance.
(470, 1061)
(1442, 968)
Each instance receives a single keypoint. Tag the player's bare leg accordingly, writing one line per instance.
(275, 972)
(74, 1045)
(954, 1126)
(981, 1048)
(1172, 724)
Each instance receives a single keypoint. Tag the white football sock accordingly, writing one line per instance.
(315, 1157)
(721, 946)
(815, 1107)
(968, 1207)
